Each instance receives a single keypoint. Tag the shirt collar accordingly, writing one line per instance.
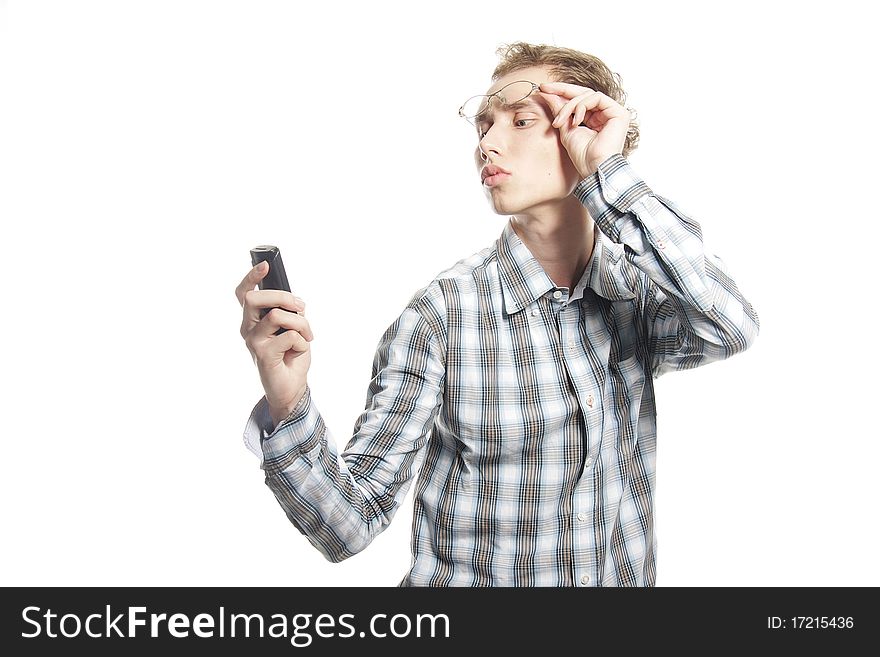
(523, 280)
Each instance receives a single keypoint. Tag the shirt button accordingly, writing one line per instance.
(590, 401)
(661, 244)
(557, 294)
(582, 517)
(588, 462)
(535, 312)
(585, 579)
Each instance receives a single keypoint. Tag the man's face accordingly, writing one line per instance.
(522, 141)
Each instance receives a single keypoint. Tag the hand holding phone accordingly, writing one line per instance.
(283, 362)
(276, 278)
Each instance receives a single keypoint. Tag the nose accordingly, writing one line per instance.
(487, 147)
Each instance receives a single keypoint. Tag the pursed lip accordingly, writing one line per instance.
(491, 170)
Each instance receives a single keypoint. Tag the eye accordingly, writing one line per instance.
(520, 122)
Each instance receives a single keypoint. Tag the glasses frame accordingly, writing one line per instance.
(488, 97)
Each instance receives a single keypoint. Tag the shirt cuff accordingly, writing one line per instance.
(610, 191)
(261, 428)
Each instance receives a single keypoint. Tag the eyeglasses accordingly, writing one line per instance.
(509, 94)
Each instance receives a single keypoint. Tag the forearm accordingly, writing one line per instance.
(314, 487)
(692, 304)
(340, 502)
(664, 244)
(683, 336)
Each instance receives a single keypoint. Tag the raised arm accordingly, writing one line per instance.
(694, 313)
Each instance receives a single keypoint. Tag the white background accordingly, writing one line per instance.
(147, 146)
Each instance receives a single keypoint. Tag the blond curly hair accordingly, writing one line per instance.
(572, 66)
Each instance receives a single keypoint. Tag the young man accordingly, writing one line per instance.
(519, 382)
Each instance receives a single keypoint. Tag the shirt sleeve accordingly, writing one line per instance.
(694, 312)
(341, 501)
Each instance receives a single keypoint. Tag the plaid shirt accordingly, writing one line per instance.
(526, 409)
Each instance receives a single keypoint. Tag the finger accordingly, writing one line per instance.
(608, 106)
(553, 101)
(280, 318)
(256, 300)
(253, 277)
(289, 341)
(564, 89)
(579, 114)
(598, 103)
(569, 108)
(278, 345)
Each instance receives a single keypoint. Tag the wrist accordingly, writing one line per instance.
(284, 411)
(278, 416)
(593, 165)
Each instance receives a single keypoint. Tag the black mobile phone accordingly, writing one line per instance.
(276, 278)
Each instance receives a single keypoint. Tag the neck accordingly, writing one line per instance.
(561, 243)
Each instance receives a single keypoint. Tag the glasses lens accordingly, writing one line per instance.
(473, 106)
(515, 92)
(511, 93)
